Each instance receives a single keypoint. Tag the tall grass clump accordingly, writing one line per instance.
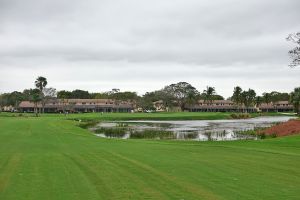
(112, 132)
(152, 134)
(240, 116)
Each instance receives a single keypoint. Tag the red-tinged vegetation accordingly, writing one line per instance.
(291, 127)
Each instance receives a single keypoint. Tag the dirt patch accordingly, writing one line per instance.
(291, 127)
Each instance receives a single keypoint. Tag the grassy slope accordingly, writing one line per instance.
(146, 116)
(51, 158)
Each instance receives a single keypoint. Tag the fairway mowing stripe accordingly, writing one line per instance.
(67, 176)
(124, 172)
(4, 160)
(259, 150)
(150, 184)
(192, 188)
(150, 192)
(8, 171)
(91, 172)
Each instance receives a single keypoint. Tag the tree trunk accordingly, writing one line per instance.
(35, 109)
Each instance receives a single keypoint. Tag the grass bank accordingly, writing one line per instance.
(143, 116)
(52, 158)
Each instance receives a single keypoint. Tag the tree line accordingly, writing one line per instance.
(180, 95)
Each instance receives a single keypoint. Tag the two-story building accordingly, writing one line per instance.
(78, 105)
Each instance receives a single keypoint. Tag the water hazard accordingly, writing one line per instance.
(200, 130)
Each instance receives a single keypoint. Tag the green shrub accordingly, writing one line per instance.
(261, 135)
(152, 134)
(112, 132)
(240, 116)
(273, 135)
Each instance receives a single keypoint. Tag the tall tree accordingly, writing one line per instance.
(295, 52)
(124, 96)
(248, 98)
(267, 98)
(63, 94)
(63, 98)
(36, 97)
(237, 96)
(48, 94)
(26, 94)
(180, 91)
(41, 83)
(209, 93)
(295, 100)
(80, 94)
(15, 98)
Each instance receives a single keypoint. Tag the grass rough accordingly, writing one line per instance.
(52, 158)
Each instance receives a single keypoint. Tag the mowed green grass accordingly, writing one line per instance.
(145, 116)
(52, 158)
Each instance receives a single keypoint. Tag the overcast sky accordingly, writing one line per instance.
(143, 45)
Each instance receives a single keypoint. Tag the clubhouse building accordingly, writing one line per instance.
(78, 105)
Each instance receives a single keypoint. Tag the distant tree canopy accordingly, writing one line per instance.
(248, 97)
(295, 52)
(274, 97)
(181, 94)
(237, 95)
(124, 96)
(75, 94)
(245, 97)
(63, 94)
(11, 99)
(80, 94)
(209, 94)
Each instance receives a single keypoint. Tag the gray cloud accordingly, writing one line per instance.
(142, 45)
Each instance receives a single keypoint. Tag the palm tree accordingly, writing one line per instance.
(41, 83)
(237, 96)
(295, 100)
(248, 98)
(208, 94)
(191, 99)
(267, 99)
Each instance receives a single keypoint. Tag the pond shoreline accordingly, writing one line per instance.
(200, 130)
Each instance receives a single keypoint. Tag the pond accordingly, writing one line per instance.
(200, 130)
